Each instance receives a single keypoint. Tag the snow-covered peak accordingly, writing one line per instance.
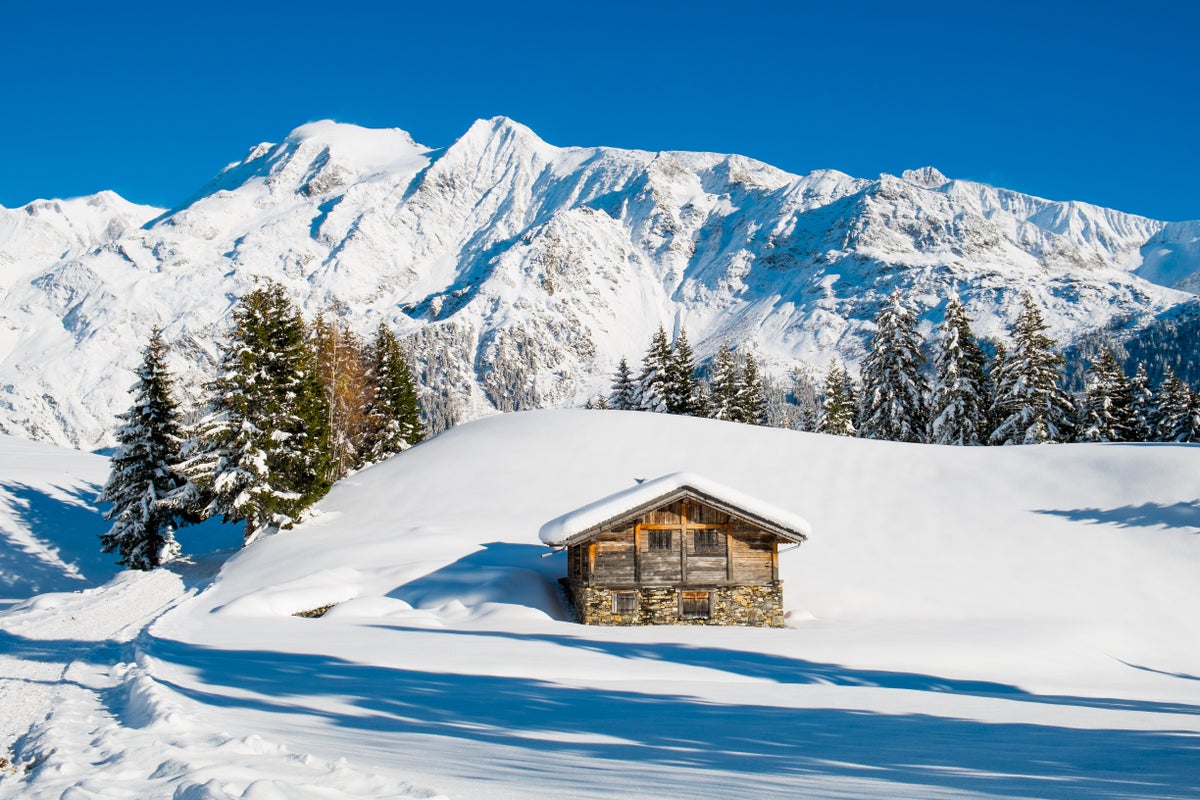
(364, 150)
(926, 177)
(524, 271)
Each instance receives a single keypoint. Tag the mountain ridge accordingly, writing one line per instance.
(521, 271)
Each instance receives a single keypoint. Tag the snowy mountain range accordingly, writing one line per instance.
(522, 272)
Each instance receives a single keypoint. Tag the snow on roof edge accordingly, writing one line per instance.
(559, 530)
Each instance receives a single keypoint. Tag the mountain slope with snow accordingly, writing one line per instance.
(962, 623)
(522, 272)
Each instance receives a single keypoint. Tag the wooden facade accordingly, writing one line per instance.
(687, 559)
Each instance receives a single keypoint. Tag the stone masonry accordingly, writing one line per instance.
(660, 605)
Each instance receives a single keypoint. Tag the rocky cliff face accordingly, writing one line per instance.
(523, 272)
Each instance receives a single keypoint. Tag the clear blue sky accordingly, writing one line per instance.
(1093, 101)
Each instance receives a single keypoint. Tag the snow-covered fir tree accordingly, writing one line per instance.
(683, 389)
(623, 396)
(394, 412)
(1176, 404)
(802, 397)
(893, 388)
(751, 398)
(1107, 409)
(265, 453)
(958, 412)
(839, 404)
(726, 384)
(1141, 406)
(1029, 403)
(144, 469)
(650, 392)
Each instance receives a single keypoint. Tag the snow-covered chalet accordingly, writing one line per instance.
(680, 549)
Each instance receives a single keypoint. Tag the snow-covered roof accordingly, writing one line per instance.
(650, 494)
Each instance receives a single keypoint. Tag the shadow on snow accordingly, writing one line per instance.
(1181, 516)
(760, 742)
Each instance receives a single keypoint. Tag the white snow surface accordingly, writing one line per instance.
(963, 623)
(557, 531)
(523, 272)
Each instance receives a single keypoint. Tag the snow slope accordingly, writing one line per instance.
(973, 622)
(48, 520)
(523, 271)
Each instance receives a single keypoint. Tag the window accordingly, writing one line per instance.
(709, 540)
(659, 541)
(694, 605)
(624, 602)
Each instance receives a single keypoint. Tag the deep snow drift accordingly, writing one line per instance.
(974, 622)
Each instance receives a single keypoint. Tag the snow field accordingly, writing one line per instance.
(963, 623)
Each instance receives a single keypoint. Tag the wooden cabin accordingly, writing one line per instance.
(680, 549)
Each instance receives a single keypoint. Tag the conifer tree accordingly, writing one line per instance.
(682, 386)
(1029, 402)
(752, 397)
(1175, 403)
(623, 393)
(1107, 413)
(145, 469)
(726, 386)
(1141, 406)
(893, 388)
(344, 373)
(804, 394)
(265, 453)
(839, 407)
(653, 382)
(394, 413)
(958, 413)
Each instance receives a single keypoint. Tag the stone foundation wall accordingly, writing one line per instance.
(760, 606)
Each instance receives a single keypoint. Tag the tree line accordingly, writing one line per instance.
(959, 395)
(294, 407)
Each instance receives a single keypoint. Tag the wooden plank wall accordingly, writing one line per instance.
(752, 551)
(614, 556)
(622, 557)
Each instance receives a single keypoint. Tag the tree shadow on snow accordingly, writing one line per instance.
(758, 745)
(1179, 516)
(66, 522)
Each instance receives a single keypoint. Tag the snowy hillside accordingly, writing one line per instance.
(525, 271)
(963, 623)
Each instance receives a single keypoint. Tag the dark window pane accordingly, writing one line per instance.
(660, 540)
(709, 541)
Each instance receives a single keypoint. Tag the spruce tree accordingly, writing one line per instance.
(752, 397)
(1030, 404)
(1107, 413)
(266, 454)
(893, 388)
(958, 413)
(804, 394)
(394, 413)
(682, 386)
(839, 407)
(623, 393)
(726, 386)
(1141, 406)
(144, 469)
(653, 383)
(1175, 403)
